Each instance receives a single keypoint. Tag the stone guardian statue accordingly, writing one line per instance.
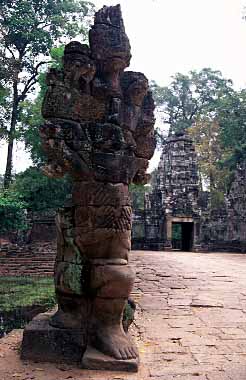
(99, 130)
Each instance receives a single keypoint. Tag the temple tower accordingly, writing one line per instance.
(178, 183)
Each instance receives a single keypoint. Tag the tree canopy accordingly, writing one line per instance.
(190, 96)
(30, 112)
(39, 192)
(28, 30)
(205, 105)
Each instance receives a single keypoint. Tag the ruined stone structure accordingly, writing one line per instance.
(99, 129)
(224, 228)
(42, 227)
(179, 185)
(174, 199)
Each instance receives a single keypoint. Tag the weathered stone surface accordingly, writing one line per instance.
(175, 343)
(109, 43)
(94, 359)
(103, 217)
(174, 198)
(224, 228)
(112, 281)
(61, 103)
(45, 343)
(99, 129)
(177, 198)
(104, 243)
(145, 146)
(95, 194)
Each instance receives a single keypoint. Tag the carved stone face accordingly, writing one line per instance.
(78, 64)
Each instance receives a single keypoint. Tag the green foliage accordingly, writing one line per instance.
(231, 114)
(210, 153)
(40, 193)
(205, 105)
(31, 120)
(238, 155)
(4, 111)
(19, 292)
(137, 194)
(30, 191)
(128, 314)
(12, 212)
(30, 113)
(28, 30)
(31, 26)
(56, 54)
(190, 96)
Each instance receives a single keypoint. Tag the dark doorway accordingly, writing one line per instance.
(182, 236)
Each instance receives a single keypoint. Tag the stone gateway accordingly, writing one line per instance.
(99, 130)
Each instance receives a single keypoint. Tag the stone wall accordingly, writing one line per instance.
(42, 226)
(148, 224)
(224, 228)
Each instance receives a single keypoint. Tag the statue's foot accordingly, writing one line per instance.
(112, 341)
(64, 320)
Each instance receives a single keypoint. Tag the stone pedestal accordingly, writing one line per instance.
(95, 360)
(44, 343)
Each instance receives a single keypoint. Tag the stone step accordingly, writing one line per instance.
(24, 260)
(26, 274)
(36, 267)
(31, 260)
(26, 267)
(27, 254)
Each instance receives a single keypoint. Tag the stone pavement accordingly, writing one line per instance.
(190, 322)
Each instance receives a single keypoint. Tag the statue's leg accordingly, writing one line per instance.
(71, 273)
(103, 222)
(73, 305)
(112, 284)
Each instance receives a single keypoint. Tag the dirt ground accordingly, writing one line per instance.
(190, 322)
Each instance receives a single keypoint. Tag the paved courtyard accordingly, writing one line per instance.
(190, 323)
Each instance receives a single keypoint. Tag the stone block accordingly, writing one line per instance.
(44, 343)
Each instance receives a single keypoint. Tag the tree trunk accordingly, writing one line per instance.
(11, 138)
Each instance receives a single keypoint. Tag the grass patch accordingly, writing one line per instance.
(16, 292)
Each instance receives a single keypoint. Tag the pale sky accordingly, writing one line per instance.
(169, 36)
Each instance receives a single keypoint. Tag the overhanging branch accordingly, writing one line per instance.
(31, 81)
